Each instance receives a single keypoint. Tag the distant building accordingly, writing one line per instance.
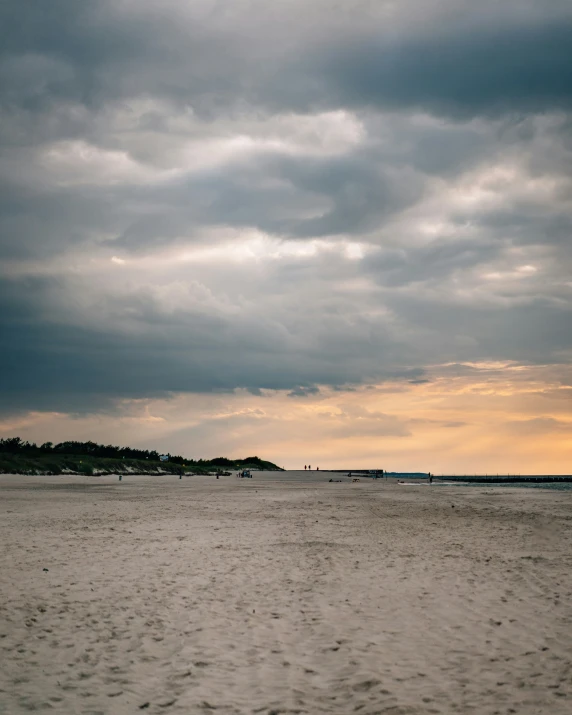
(164, 457)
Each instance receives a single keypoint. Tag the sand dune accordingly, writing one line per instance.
(283, 594)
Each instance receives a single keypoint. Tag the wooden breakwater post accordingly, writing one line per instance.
(508, 478)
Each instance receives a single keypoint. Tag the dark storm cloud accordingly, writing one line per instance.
(130, 347)
(92, 53)
(105, 107)
(304, 391)
(459, 72)
(536, 330)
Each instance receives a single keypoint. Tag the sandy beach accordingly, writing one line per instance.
(283, 594)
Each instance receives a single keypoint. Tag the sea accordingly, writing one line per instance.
(553, 486)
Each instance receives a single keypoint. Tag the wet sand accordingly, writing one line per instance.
(283, 594)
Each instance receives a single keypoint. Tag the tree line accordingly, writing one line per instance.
(15, 445)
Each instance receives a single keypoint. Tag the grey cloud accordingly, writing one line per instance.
(350, 195)
(39, 223)
(539, 425)
(431, 263)
(489, 70)
(432, 103)
(134, 348)
(535, 330)
(96, 52)
(304, 391)
(293, 197)
(527, 222)
(62, 349)
(438, 423)
(60, 62)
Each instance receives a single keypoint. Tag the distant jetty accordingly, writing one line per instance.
(504, 478)
(361, 472)
(466, 478)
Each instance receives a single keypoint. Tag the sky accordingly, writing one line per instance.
(335, 233)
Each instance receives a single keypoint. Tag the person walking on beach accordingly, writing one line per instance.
(304, 467)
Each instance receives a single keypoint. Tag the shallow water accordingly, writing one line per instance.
(553, 486)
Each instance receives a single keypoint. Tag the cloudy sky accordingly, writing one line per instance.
(326, 232)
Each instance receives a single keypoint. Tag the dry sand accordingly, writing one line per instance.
(283, 594)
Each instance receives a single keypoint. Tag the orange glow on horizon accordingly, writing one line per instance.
(492, 419)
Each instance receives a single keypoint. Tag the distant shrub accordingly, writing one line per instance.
(52, 467)
(221, 462)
